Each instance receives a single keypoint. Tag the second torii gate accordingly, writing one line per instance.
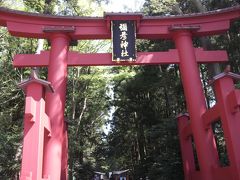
(47, 122)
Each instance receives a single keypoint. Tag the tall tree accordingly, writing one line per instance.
(144, 137)
(89, 115)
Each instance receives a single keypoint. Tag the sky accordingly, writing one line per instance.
(124, 5)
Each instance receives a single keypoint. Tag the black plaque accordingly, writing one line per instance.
(124, 40)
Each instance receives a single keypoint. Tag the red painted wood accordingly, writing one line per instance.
(35, 121)
(187, 131)
(223, 173)
(224, 88)
(196, 175)
(64, 165)
(55, 105)
(234, 101)
(31, 25)
(105, 59)
(211, 115)
(186, 147)
(196, 104)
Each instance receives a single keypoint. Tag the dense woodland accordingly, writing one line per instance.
(138, 103)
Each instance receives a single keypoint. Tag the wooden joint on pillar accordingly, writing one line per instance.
(47, 124)
(46, 177)
(181, 27)
(185, 126)
(34, 79)
(30, 109)
(233, 100)
(71, 43)
(224, 74)
(109, 17)
(187, 131)
(59, 29)
(179, 30)
(182, 115)
(210, 116)
(26, 176)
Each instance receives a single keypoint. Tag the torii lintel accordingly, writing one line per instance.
(32, 24)
(105, 59)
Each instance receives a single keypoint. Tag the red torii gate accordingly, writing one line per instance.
(45, 132)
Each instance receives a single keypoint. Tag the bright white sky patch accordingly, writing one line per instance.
(124, 5)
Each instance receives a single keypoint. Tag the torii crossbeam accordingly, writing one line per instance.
(105, 59)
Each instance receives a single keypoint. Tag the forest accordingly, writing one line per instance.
(119, 117)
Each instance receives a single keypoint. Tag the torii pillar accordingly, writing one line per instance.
(190, 75)
(55, 103)
(36, 127)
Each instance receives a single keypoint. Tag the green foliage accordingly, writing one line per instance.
(10, 140)
(85, 125)
(144, 135)
(12, 4)
(11, 104)
(156, 7)
(86, 111)
(81, 7)
(41, 6)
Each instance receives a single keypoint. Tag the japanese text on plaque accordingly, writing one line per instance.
(124, 41)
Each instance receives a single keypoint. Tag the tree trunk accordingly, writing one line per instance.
(205, 87)
(70, 170)
(213, 69)
(140, 139)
